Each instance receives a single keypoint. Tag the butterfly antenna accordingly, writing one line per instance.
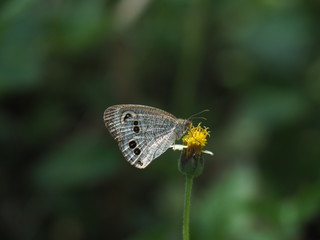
(203, 118)
(194, 115)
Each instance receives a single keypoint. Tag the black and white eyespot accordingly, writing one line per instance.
(127, 116)
(139, 163)
(136, 129)
(132, 144)
(137, 151)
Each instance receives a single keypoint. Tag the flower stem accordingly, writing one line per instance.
(187, 203)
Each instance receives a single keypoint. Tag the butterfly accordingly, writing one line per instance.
(143, 133)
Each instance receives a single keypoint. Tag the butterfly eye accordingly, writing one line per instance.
(187, 125)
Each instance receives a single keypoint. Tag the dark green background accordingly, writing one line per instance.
(254, 64)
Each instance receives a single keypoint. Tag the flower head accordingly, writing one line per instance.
(196, 138)
(191, 160)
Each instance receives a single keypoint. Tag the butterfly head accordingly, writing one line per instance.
(182, 127)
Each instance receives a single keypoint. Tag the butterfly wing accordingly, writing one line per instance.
(143, 133)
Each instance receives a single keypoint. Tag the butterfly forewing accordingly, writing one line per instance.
(143, 133)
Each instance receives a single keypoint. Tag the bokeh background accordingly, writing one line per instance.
(254, 64)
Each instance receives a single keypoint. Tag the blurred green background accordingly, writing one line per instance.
(254, 64)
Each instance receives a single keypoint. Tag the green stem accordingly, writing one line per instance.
(187, 203)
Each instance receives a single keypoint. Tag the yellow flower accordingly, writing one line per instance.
(196, 138)
(191, 161)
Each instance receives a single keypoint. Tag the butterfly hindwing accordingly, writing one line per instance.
(145, 150)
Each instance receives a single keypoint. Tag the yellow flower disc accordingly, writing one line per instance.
(196, 137)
